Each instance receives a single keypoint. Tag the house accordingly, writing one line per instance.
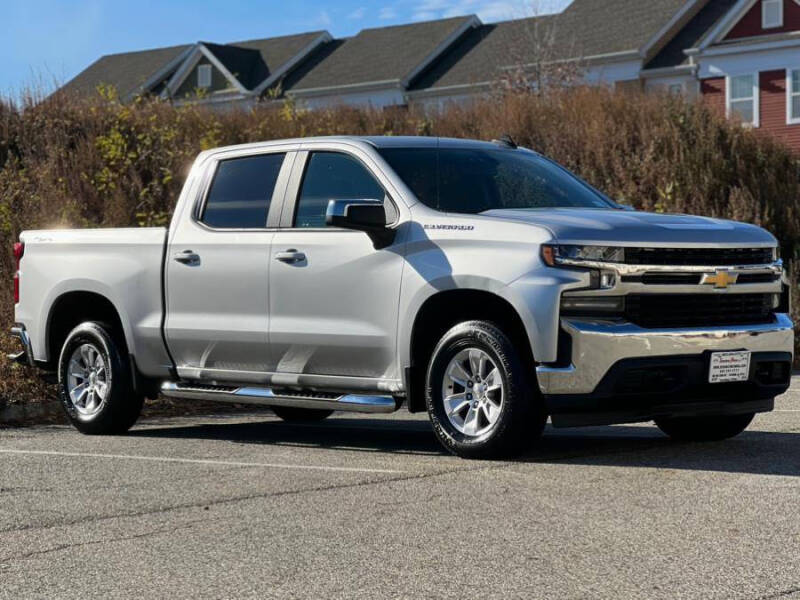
(377, 66)
(741, 56)
(232, 74)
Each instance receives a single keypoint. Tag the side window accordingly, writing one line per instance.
(241, 192)
(332, 176)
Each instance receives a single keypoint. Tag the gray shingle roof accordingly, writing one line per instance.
(251, 61)
(380, 54)
(126, 71)
(608, 26)
(586, 28)
(393, 54)
(672, 54)
(277, 51)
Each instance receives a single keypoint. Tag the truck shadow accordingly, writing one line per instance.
(632, 446)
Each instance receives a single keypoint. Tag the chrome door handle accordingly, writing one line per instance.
(187, 257)
(290, 256)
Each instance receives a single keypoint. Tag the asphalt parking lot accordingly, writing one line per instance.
(365, 507)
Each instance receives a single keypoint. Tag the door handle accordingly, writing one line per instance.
(187, 257)
(290, 256)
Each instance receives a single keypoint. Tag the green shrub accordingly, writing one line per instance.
(70, 163)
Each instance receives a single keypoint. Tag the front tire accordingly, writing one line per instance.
(95, 382)
(481, 399)
(705, 429)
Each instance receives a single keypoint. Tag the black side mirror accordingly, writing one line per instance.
(361, 215)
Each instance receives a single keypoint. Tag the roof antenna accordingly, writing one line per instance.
(506, 140)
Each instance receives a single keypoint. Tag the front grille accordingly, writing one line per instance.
(664, 278)
(698, 256)
(655, 278)
(698, 310)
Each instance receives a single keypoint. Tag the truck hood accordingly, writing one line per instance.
(628, 228)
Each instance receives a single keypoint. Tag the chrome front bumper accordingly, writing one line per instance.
(26, 356)
(598, 344)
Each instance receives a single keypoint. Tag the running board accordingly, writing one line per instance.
(270, 397)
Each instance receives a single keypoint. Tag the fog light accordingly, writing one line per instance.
(608, 280)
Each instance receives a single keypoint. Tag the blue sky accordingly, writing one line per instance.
(47, 41)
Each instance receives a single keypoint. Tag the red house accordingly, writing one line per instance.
(743, 57)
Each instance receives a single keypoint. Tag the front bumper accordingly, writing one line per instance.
(26, 356)
(597, 345)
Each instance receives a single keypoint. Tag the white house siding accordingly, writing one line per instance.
(610, 73)
(372, 98)
(688, 84)
(769, 59)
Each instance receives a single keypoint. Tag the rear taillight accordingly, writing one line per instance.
(19, 250)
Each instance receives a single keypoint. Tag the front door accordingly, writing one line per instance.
(333, 296)
(217, 272)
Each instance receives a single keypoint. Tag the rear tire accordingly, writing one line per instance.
(705, 429)
(291, 414)
(95, 383)
(481, 396)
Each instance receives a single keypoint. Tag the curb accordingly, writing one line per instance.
(30, 414)
(51, 412)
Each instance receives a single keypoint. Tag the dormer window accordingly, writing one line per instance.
(771, 14)
(204, 76)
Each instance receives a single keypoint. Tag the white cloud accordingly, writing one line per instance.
(424, 15)
(433, 5)
(358, 13)
(487, 10)
(323, 19)
(387, 12)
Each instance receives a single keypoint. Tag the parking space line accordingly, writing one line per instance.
(198, 461)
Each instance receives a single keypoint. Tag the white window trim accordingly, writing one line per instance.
(789, 96)
(204, 72)
(681, 88)
(764, 4)
(756, 98)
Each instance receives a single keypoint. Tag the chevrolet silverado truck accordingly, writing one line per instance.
(477, 281)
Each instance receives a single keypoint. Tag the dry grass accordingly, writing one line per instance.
(76, 164)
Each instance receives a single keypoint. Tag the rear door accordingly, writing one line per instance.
(217, 270)
(333, 296)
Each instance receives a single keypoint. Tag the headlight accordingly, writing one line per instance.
(559, 255)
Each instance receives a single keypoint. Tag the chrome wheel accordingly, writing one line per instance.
(472, 392)
(88, 380)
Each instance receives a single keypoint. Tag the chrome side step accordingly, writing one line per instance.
(270, 397)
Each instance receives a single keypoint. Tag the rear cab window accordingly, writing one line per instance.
(241, 192)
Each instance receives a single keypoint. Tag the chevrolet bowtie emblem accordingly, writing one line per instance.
(720, 279)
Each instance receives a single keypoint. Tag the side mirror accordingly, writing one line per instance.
(361, 215)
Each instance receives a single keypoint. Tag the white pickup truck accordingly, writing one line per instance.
(479, 281)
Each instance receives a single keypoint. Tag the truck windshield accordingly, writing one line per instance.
(473, 180)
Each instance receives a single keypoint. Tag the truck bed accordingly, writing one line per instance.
(124, 265)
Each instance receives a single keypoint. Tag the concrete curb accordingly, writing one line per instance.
(51, 412)
(30, 414)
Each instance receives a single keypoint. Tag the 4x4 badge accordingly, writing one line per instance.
(720, 279)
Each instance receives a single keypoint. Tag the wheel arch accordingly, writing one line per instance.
(73, 307)
(442, 310)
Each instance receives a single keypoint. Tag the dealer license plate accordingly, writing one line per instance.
(729, 366)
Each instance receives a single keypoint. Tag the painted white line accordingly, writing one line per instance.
(786, 410)
(196, 461)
